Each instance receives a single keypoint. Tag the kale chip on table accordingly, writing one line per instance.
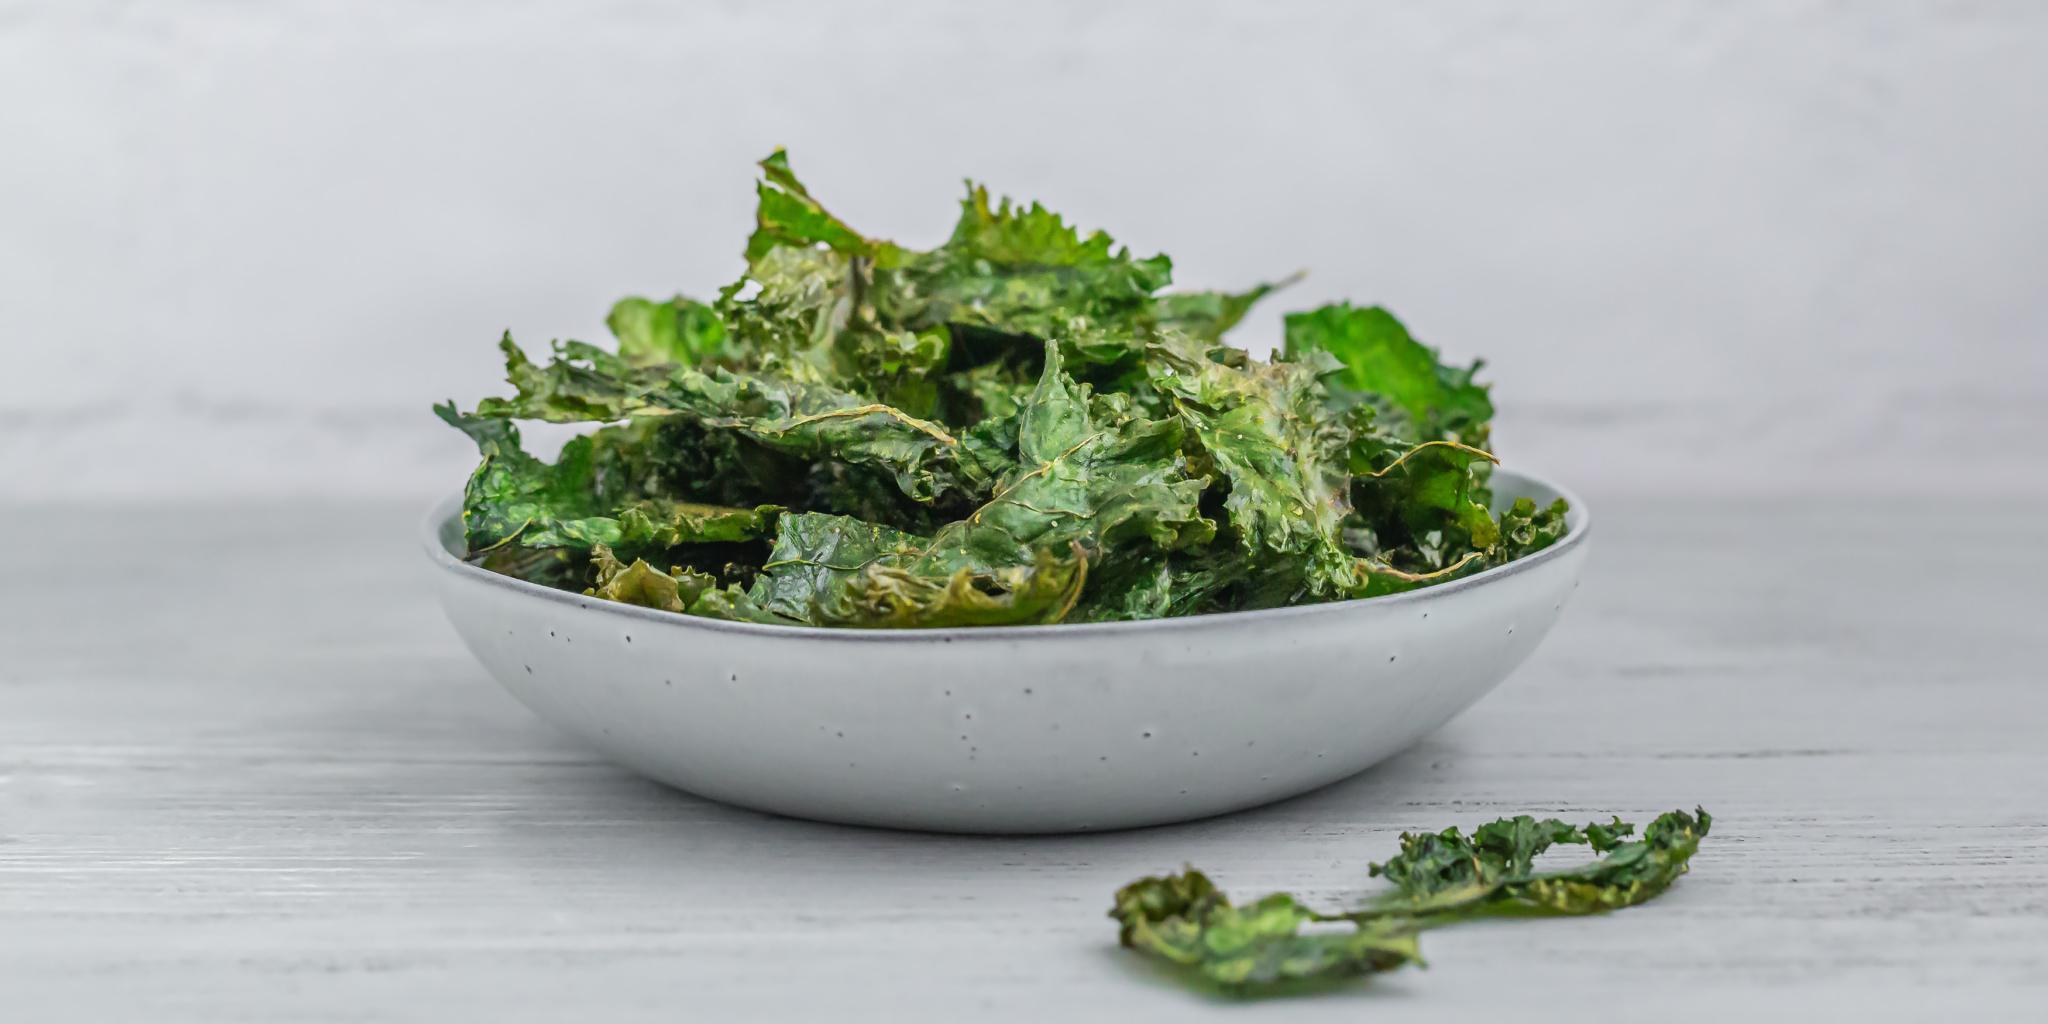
(1017, 427)
(1439, 878)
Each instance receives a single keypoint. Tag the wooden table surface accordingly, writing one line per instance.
(247, 771)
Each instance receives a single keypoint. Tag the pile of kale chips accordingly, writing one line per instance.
(1013, 428)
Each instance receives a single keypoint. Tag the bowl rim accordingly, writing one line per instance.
(1578, 523)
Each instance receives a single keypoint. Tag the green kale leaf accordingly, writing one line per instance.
(1525, 529)
(1422, 516)
(817, 556)
(514, 496)
(1088, 472)
(1438, 879)
(1439, 402)
(1183, 919)
(1015, 270)
(883, 597)
(789, 217)
(663, 523)
(807, 421)
(1445, 875)
(1267, 436)
(681, 330)
(644, 585)
(1017, 426)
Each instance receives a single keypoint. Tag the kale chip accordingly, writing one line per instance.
(1439, 878)
(1019, 426)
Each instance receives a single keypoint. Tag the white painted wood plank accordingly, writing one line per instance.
(246, 771)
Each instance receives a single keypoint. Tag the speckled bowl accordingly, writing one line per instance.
(1013, 729)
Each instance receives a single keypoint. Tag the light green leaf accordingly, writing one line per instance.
(788, 216)
(1183, 919)
(882, 597)
(1209, 315)
(664, 523)
(644, 585)
(681, 330)
(1379, 357)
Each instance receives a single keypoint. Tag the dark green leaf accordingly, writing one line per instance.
(1013, 427)
(813, 421)
(1087, 472)
(1445, 875)
(1438, 879)
(802, 420)
(817, 556)
(1524, 530)
(1424, 511)
(513, 496)
(582, 383)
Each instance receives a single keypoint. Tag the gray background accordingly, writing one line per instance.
(1708, 248)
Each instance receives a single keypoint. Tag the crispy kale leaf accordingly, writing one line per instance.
(1017, 426)
(665, 524)
(681, 330)
(1450, 875)
(882, 597)
(804, 421)
(644, 585)
(1270, 441)
(1183, 919)
(1525, 529)
(837, 571)
(1012, 270)
(789, 217)
(817, 556)
(1421, 516)
(514, 496)
(1436, 402)
(1438, 879)
(1088, 472)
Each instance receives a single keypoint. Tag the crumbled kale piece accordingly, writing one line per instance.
(1446, 874)
(1019, 426)
(1438, 878)
(1183, 919)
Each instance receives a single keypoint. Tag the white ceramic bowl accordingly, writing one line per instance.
(1011, 729)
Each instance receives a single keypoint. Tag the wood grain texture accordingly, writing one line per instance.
(248, 772)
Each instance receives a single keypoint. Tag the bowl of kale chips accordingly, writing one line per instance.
(1002, 536)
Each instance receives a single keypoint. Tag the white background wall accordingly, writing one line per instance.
(1706, 246)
